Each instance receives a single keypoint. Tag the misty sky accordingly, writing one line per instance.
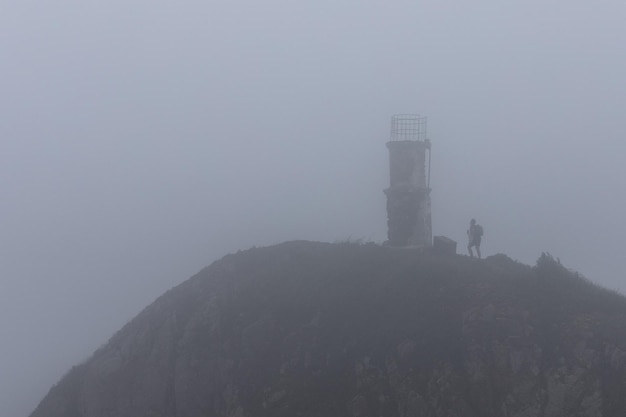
(142, 140)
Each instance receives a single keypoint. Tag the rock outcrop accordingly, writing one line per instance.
(313, 329)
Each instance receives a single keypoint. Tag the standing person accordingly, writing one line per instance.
(474, 234)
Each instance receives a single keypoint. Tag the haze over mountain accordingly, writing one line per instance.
(317, 329)
(142, 140)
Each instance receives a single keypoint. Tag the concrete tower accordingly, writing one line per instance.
(408, 195)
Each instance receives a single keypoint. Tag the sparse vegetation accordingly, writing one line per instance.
(354, 328)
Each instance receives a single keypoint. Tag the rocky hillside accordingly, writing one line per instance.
(321, 330)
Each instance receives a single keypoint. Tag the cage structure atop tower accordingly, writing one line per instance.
(408, 196)
(408, 127)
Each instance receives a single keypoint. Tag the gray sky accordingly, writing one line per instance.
(141, 140)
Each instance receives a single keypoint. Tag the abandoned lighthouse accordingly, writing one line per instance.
(408, 196)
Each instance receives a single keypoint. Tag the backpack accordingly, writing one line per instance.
(478, 230)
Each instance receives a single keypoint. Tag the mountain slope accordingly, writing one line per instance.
(317, 329)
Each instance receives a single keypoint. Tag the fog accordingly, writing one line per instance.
(142, 140)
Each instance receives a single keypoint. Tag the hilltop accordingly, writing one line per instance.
(317, 329)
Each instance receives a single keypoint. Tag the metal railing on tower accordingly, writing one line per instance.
(408, 127)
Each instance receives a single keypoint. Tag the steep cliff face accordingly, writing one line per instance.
(314, 329)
